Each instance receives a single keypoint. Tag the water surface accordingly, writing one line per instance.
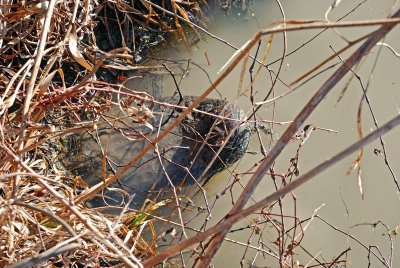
(334, 195)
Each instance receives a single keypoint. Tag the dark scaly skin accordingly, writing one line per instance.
(185, 153)
(207, 134)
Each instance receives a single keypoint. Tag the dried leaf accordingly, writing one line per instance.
(46, 83)
(76, 54)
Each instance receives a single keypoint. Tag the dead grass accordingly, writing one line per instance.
(60, 62)
(54, 57)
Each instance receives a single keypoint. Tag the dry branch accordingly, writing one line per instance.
(218, 237)
(51, 69)
(233, 218)
(112, 178)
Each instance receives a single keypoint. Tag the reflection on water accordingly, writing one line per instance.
(333, 193)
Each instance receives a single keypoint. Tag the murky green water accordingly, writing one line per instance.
(333, 193)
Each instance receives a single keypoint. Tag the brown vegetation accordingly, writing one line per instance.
(55, 81)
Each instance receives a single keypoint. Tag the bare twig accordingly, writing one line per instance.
(240, 214)
(285, 138)
(299, 120)
(48, 254)
(95, 189)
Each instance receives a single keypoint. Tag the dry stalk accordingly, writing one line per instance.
(112, 178)
(50, 67)
(228, 221)
(218, 236)
(51, 54)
